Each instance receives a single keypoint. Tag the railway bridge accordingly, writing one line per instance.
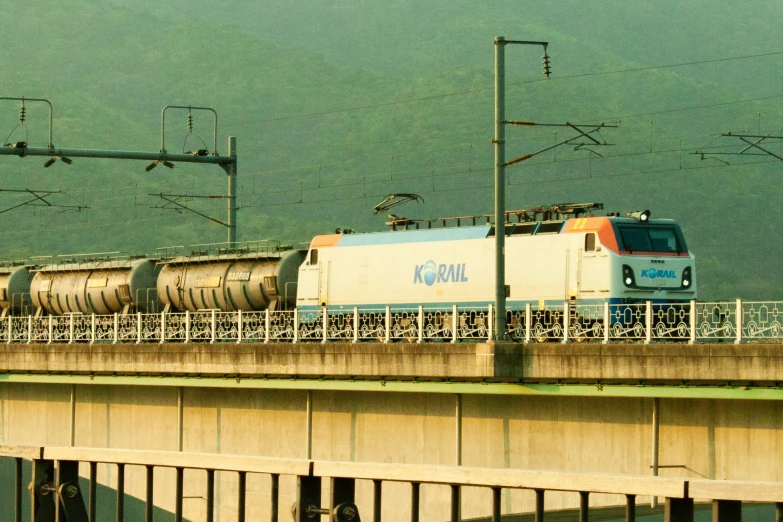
(705, 411)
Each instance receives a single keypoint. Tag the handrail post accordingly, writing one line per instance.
(490, 323)
(325, 337)
(387, 325)
(239, 326)
(212, 326)
(454, 324)
(70, 328)
(692, 317)
(116, 328)
(163, 327)
(51, 327)
(421, 324)
(566, 320)
(266, 325)
(739, 322)
(92, 329)
(607, 321)
(528, 322)
(355, 324)
(138, 327)
(29, 329)
(187, 326)
(647, 322)
(296, 325)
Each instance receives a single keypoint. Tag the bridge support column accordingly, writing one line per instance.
(678, 510)
(726, 511)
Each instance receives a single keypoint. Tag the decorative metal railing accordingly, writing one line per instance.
(55, 492)
(569, 321)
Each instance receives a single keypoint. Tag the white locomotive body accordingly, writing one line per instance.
(589, 259)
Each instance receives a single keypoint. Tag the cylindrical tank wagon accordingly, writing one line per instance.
(15, 278)
(99, 284)
(257, 276)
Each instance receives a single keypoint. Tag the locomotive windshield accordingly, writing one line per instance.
(640, 238)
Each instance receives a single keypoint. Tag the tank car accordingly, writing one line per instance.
(252, 277)
(104, 283)
(15, 278)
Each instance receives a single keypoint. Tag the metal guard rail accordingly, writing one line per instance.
(568, 321)
(55, 470)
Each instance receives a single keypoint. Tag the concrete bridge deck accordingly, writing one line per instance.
(664, 364)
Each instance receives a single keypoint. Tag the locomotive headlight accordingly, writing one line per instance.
(687, 278)
(628, 276)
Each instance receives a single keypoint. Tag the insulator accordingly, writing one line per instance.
(22, 114)
(547, 66)
(190, 122)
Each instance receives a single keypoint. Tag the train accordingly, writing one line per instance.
(554, 254)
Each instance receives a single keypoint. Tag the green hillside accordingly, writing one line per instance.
(335, 105)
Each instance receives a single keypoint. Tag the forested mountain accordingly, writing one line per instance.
(337, 103)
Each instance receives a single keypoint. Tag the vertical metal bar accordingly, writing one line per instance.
(325, 338)
(566, 320)
(178, 495)
(163, 327)
(116, 328)
(496, 495)
(138, 327)
(415, 494)
(539, 517)
(266, 325)
(309, 451)
(490, 324)
(692, 317)
(296, 325)
(274, 504)
(355, 324)
(647, 322)
(739, 322)
(584, 505)
(607, 322)
(630, 508)
(212, 327)
(454, 324)
(180, 417)
(528, 322)
(421, 324)
(93, 489)
(458, 429)
(120, 492)
(149, 499)
(656, 419)
(187, 326)
(92, 329)
(18, 489)
(241, 487)
(29, 329)
(72, 438)
(50, 328)
(377, 489)
(455, 503)
(387, 325)
(70, 328)
(500, 189)
(210, 495)
(232, 191)
(239, 326)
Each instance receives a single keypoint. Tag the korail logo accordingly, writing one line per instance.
(430, 273)
(654, 273)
